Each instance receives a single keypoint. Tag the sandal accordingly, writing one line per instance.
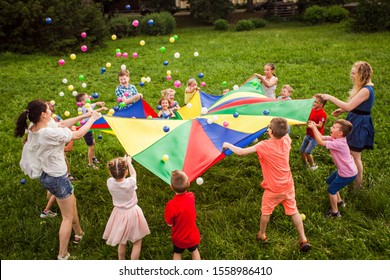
(93, 166)
(263, 240)
(304, 246)
(77, 238)
(71, 178)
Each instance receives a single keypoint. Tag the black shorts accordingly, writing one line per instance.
(88, 137)
(178, 250)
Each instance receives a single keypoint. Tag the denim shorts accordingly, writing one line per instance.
(60, 187)
(308, 144)
(336, 182)
(88, 137)
(178, 250)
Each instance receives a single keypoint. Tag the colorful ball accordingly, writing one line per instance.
(165, 158)
(196, 54)
(135, 55)
(22, 181)
(84, 85)
(169, 78)
(235, 87)
(225, 123)
(175, 37)
(171, 39)
(70, 87)
(118, 54)
(135, 23)
(204, 110)
(150, 22)
(95, 95)
(102, 70)
(122, 104)
(72, 56)
(62, 93)
(142, 43)
(81, 77)
(108, 65)
(200, 75)
(123, 67)
(166, 128)
(61, 62)
(141, 84)
(176, 55)
(199, 181)
(169, 72)
(177, 84)
(224, 83)
(100, 136)
(113, 37)
(235, 114)
(48, 20)
(162, 49)
(303, 216)
(125, 55)
(128, 7)
(202, 84)
(64, 81)
(165, 63)
(266, 112)
(83, 35)
(84, 48)
(66, 113)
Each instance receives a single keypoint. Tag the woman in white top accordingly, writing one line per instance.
(269, 81)
(43, 157)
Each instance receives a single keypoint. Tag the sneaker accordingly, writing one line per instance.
(262, 240)
(95, 160)
(47, 214)
(304, 246)
(93, 166)
(64, 258)
(330, 214)
(314, 167)
(341, 204)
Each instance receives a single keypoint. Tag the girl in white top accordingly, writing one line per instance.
(43, 157)
(269, 81)
(127, 221)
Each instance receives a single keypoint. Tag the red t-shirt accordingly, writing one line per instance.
(180, 212)
(317, 116)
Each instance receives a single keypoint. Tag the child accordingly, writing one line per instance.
(127, 221)
(278, 182)
(170, 95)
(346, 171)
(180, 214)
(318, 116)
(191, 89)
(269, 81)
(165, 112)
(81, 99)
(286, 93)
(126, 92)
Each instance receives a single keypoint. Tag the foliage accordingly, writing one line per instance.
(315, 14)
(121, 25)
(259, 22)
(310, 58)
(221, 24)
(244, 25)
(163, 23)
(24, 29)
(336, 13)
(210, 10)
(158, 5)
(372, 15)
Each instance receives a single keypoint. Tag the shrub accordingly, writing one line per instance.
(221, 24)
(163, 23)
(245, 24)
(371, 16)
(315, 14)
(336, 13)
(210, 10)
(120, 26)
(259, 22)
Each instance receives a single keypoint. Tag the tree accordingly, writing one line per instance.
(249, 6)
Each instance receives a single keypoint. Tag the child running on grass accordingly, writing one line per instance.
(278, 184)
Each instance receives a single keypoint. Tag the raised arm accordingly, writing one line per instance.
(239, 151)
(131, 167)
(85, 128)
(317, 134)
(348, 106)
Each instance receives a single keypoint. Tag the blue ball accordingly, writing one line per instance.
(48, 20)
(95, 95)
(141, 84)
(150, 22)
(102, 70)
(200, 75)
(23, 181)
(158, 107)
(235, 114)
(100, 136)
(165, 63)
(128, 7)
(166, 128)
(266, 112)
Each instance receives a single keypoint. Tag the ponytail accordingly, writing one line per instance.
(33, 112)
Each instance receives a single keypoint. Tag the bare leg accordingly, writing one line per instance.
(297, 220)
(333, 202)
(310, 159)
(67, 207)
(50, 203)
(76, 221)
(339, 197)
(122, 251)
(304, 159)
(91, 154)
(264, 219)
(176, 256)
(196, 255)
(136, 250)
(357, 157)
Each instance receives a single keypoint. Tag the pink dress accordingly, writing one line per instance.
(127, 221)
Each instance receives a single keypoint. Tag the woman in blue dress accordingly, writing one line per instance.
(359, 105)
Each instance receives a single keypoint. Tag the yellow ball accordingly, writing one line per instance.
(70, 87)
(171, 39)
(87, 105)
(111, 111)
(113, 37)
(165, 158)
(303, 216)
(66, 113)
(143, 79)
(52, 102)
(169, 72)
(142, 43)
(72, 56)
(108, 64)
(79, 113)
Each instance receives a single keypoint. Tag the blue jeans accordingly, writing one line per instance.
(60, 187)
(308, 145)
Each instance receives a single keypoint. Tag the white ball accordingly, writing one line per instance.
(215, 118)
(189, 105)
(199, 181)
(204, 110)
(235, 87)
(148, 79)
(74, 93)
(209, 121)
(123, 67)
(84, 85)
(64, 81)
(176, 55)
(196, 54)
(62, 93)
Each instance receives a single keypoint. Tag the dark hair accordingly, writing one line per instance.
(319, 97)
(33, 113)
(279, 127)
(124, 73)
(272, 67)
(345, 126)
(80, 96)
(179, 181)
(117, 167)
(161, 100)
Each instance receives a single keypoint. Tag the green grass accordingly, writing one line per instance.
(311, 59)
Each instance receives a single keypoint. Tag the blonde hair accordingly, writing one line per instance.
(165, 92)
(364, 71)
(191, 81)
(289, 88)
(179, 181)
(117, 167)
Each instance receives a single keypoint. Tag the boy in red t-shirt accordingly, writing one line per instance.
(180, 214)
(318, 116)
(278, 183)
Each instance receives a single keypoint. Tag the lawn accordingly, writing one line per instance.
(312, 59)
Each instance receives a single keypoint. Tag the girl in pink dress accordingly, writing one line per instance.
(127, 221)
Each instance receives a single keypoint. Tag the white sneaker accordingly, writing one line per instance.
(64, 258)
(47, 214)
(314, 167)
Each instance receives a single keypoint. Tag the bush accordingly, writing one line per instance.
(23, 26)
(315, 15)
(163, 23)
(259, 22)
(245, 24)
(221, 24)
(336, 13)
(210, 10)
(371, 16)
(122, 26)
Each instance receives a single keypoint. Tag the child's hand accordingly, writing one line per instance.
(73, 128)
(95, 115)
(337, 112)
(311, 124)
(104, 108)
(128, 159)
(225, 145)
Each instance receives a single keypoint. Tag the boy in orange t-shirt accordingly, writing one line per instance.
(278, 184)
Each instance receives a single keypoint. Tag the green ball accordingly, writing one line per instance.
(176, 37)
(118, 50)
(81, 78)
(162, 49)
(224, 83)
(122, 104)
